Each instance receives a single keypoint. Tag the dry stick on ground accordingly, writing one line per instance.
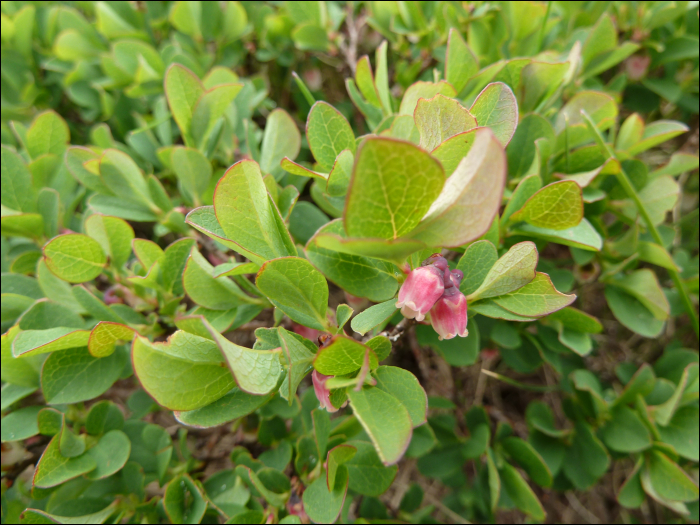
(582, 510)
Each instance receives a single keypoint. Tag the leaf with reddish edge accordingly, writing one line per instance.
(245, 214)
(497, 108)
(451, 152)
(440, 118)
(513, 270)
(292, 167)
(395, 250)
(393, 184)
(557, 206)
(105, 335)
(537, 298)
(385, 420)
(470, 199)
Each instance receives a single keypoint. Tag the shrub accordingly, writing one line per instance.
(211, 316)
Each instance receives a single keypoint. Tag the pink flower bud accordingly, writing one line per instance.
(321, 391)
(420, 290)
(449, 315)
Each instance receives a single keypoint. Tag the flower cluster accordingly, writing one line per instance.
(433, 288)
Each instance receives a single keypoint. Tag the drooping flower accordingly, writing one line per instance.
(321, 390)
(422, 288)
(449, 314)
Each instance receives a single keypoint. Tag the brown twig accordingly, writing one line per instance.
(349, 48)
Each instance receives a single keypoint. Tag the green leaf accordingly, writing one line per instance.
(105, 335)
(33, 342)
(425, 90)
(657, 133)
(48, 134)
(659, 197)
(642, 382)
(395, 251)
(470, 198)
(535, 299)
(323, 505)
(114, 236)
(368, 476)
(281, 139)
(336, 457)
(124, 178)
(557, 206)
(521, 493)
(477, 443)
(497, 108)
(451, 152)
(210, 107)
(373, 316)
(54, 469)
(583, 236)
(525, 189)
(644, 286)
(522, 148)
(668, 479)
(193, 171)
(632, 314)
(577, 320)
(235, 404)
(494, 480)
(343, 356)
(299, 363)
(385, 420)
(682, 432)
(234, 268)
(74, 257)
(404, 386)
(460, 62)
(296, 288)
(365, 81)
(110, 454)
(529, 459)
(663, 413)
(20, 424)
(184, 373)
(12, 393)
(183, 89)
(205, 290)
(570, 125)
(339, 177)
(342, 315)
(247, 217)
(458, 351)
(255, 371)
(586, 459)
(625, 432)
(183, 501)
(328, 133)
(45, 314)
(631, 494)
(18, 192)
(359, 276)
(392, 187)
(478, 259)
(512, 271)
(680, 162)
(310, 37)
(440, 118)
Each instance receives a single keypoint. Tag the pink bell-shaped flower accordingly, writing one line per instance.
(322, 392)
(422, 288)
(449, 314)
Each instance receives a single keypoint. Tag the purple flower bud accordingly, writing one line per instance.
(420, 290)
(449, 315)
(322, 392)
